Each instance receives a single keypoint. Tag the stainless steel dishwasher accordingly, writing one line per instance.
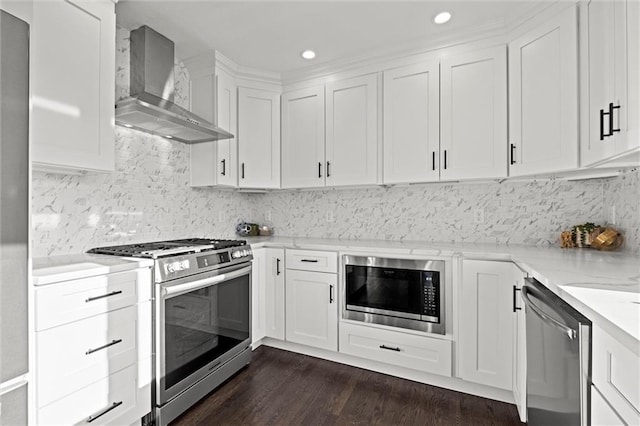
(558, 359)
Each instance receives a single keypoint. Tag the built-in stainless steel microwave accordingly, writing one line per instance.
(395, 292)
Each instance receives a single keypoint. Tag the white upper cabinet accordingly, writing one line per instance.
(543, 97)
(258, 138)
(213, 97)
(609, 64)
(352, 131)
(411, 111)
(473, 115)
(73, 85)
(303, 161)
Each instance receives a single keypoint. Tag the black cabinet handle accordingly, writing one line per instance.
(277, 266)
(319, 169)
(611, 129)
(242, 171)
(445, 159)
(102, 296)
(389, 348)
(602, 114)
(224, 167)
(103, 412)
(433, 160)
(328, 165)
(512, 154)
(331, 293)
(309, 260)
(515, 308)
(113, 342)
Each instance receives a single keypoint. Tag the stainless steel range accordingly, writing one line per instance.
(202, 316)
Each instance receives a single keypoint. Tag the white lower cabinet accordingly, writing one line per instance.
(601, 412)
(274, 293)
(420, 353)
(93, 358)
(616, 375)
(519, 346)
(312, 309)
(486, 321)
(258, 306)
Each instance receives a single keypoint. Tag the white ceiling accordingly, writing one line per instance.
(270, 35)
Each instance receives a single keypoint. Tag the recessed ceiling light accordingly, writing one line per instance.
(169, 137)
(127, 125)
(308, 54)
(442, 17)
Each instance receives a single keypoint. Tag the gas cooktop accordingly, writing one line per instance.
(158, 249)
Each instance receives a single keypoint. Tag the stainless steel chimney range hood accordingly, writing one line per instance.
(150, 108)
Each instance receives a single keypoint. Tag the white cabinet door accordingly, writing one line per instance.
(274, 293)
(519, 346)
(258, 296)
(609, 64)
(411, 114)
(352, 131)
(473, 135)
(258, 138)
(543, 97)
(486, 323)
(601, 412)
(227, 149)
(312, 309)
(303, 138)
(73, 85)
(213, 97)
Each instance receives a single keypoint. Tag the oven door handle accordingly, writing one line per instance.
(176, 290)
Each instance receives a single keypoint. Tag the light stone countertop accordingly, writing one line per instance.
(53, 269)
(603, 286)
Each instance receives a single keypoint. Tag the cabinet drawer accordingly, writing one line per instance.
(117, 393)
(405, 350)
(616, 374)
(62, 303)
(310, 260)
(75, 355)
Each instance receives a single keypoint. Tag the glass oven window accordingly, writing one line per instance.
(204, 324)
(389, 289)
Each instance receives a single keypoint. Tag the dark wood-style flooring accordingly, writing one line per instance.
(285, 388)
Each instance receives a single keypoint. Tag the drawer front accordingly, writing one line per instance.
(75, 355)
(62, 303)
(616, 374)
(310, 260)
(116, 396)
(404, 350)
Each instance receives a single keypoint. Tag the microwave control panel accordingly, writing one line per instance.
(431, 296)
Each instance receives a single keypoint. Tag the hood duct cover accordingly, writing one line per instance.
(150, 107)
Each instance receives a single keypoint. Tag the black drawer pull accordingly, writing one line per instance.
(224, 167)
(330, 293)
(105, 411)
(611, 129)
(602, 134)
(389, 348)
(433, 161)
(113, 342)
(277, 266)
(512, 155)
(328, 165)
(113, 293)
(309, 260)
(319, 169)
(445, 159)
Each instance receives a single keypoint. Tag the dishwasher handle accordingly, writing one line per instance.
(570, 332)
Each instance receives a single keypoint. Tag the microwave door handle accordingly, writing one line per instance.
(176, 290)
(570, 332)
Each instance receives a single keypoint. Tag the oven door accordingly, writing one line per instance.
(202, 321)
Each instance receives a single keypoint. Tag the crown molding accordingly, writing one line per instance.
(493, 29)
